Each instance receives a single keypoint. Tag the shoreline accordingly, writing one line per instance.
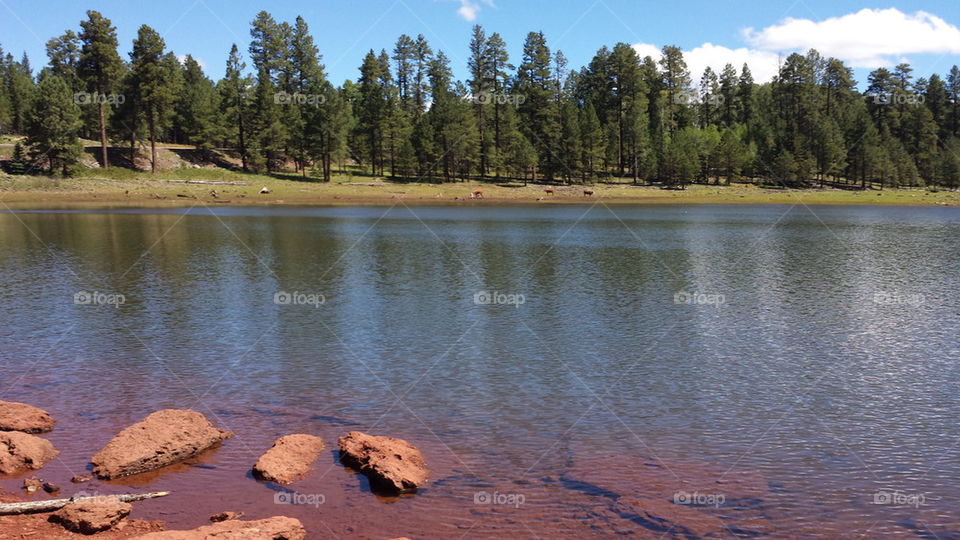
(102, 193)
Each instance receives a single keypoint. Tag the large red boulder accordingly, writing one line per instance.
(89, 517)
(22, 451)
(275, 528)
(163, 438)
(289, 459)
(391, 464)
(16, 416)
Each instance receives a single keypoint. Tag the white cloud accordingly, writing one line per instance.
(469, 8)
(869, 38)
(763, 64)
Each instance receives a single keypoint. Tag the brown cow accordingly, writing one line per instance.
(587, 192)
(478, 194)
(548, 191)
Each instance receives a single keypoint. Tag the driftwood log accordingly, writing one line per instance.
(32, 507)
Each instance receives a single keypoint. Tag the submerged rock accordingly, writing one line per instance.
(163, 438)
(16, 416)
(225, 516)
(22, 451)
(289, 459)
(392, 464)
(675, 518)
(89, 517)
(274, 528)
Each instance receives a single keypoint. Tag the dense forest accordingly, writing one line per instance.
(620, 117)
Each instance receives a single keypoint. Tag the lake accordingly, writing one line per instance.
(552, 363)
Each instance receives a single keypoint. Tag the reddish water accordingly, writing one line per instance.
(798, 401)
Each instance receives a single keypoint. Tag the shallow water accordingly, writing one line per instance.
(818, 349)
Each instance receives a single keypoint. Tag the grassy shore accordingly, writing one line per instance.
(125, 188)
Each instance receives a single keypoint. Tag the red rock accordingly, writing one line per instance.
(21, 451)
(289, 459)
(81, 478)
(393, 464)
(91, 517)
(32, 484)
(675, 518)
(163, 438)
(275, 528)
(50, 487)
(16, 416)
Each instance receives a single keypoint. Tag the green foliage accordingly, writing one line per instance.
(54, 126)
(620, 116)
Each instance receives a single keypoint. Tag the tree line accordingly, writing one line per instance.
(621, 117)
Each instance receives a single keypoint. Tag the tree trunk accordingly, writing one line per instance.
(153, 142)
(103, 135)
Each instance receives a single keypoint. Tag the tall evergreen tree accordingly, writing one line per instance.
(99, 67)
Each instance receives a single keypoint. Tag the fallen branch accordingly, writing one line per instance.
(7, 509)
(211, 182)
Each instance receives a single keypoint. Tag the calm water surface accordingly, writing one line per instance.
(816, 347)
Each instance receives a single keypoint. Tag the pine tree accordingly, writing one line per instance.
(99, 67)
(197, 114)
(18, 164)
(538, 113)
(54, 126)
(156, 76)
(234, 89)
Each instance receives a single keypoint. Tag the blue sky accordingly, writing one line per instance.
(923, 32)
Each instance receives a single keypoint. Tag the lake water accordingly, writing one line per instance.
(552, 363)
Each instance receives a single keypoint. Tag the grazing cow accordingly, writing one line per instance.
(587, 192)
(548, 191)
(478, 194)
